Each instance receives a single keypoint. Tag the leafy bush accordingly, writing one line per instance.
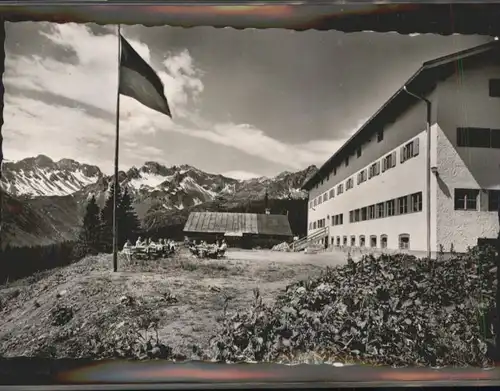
(394, 310)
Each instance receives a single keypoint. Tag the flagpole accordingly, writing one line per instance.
(117, 147)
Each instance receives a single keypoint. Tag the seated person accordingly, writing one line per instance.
(139, 242)
(127, 244)
(223, 246)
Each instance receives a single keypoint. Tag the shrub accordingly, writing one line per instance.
(393, 310)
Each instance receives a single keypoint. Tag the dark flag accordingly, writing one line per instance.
(139, 81)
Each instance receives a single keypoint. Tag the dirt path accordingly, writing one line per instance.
(200, 288)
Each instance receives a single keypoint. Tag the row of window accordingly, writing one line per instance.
(407, 152)
(482, 138)
(359, 152)
(321, 223)
(403, 241)
(398, 206)
(464, 199)
(411, 203)
(475, 199)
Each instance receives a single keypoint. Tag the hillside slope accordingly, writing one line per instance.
(40, 221)
(75, 310)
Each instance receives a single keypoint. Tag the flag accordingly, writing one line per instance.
(139, 81)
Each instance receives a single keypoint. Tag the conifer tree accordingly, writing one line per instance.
(88, 238)
(128, 221)
(106, 228)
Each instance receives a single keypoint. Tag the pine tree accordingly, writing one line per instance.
(106, 226)
(128, 221)
(88, 239)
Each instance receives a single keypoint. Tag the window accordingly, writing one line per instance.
(358, 152)
(315, 201)
(357, 214)
(493, 200)
(344, 240)
(353, 241)
(403, 205)
(391, 207)
(333, 241)
(340, 189)
(325, 197)
(362, 241)
(383, 241)
(371, 212)
(478, 138)
(332, 193)
(380, 135)
(373, 241)
(374, 170)
(380, 212)
(338, 240)
(337, 219)
(364, 214)
(404, 242)
(351, 216)
(494, 87)
(389, 161)
(474, 137)
(310, 226)
(346, 161)
(314, 225)
(349, 184)
(495, 138)
(416, 202)
(361, 176)
(410, 150)
(320, 200)
(466, 199)
(310, 204)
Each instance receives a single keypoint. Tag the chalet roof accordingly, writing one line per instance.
(244, 223)
(422, 83)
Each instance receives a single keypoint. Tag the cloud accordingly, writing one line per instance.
(66, 107)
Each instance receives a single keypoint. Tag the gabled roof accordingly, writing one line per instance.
(422, 82)
(245, 223)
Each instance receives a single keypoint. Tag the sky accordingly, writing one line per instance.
(245, 103)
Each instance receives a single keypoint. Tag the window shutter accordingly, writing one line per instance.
(384, 165)
(402, 154)
(416, 147)
(377, 168)
(483, 200)
(394, 159)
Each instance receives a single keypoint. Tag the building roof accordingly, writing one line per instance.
(244, 223)
(422, 82)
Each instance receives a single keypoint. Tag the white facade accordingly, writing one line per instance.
(476, 170)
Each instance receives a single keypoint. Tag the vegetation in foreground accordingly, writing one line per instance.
(394, 310)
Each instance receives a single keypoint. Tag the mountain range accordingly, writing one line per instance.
(43, 200)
